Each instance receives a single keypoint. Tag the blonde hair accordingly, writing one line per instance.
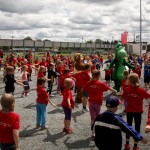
(9, 69)
(68, 82)
(7, 100)
(134, 79)
(41, 68)
(24, 67)
(126, 74)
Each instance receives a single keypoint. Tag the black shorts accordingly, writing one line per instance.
(27, 87)
(146, 79)
(85, 94)
(9, 146)
(67, 113)
(107, 78)
(9, 89)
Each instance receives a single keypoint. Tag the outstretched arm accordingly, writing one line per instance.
(111, 65)
(129, 65)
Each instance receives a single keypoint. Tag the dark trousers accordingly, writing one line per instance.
(50, 86)
(10, 146)
(137, 120)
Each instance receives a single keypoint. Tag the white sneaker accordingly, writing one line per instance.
(85, 110)
(51, 95)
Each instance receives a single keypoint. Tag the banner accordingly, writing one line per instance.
(124, 36)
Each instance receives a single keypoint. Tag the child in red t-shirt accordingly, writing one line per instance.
(41, 103)
(108, 75)
(60, 69)
(94, 90)
(67, 104)
(137, 70)
(134, 95)
(41, 73)
(0, 63)
(36, 64)
(9, 124)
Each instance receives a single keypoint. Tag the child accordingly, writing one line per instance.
(95, 89)
(134, 96)
(25, 81)
(146, 74)
(9, 124)
(137, 70)
(63, 77)
(108, 127)
(36, 64)
(67, 104)
(51, 75)
(0, 63)
(60, 69)
(108, 75)
(10, 80)
(41, 73)
(41, 103)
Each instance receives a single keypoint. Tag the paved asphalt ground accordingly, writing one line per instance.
(53, 138)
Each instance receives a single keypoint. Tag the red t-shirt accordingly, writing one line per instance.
(93, 67)
(67, 94)
(43, 64)
(108, 72)
(18, 59)
(0, 61)
(60, 70)
(63, 77)
(148, 118)
(137, 71)
(84, 77)
(8, 122)
(42, 95)
(134, 98)
(40, 75)
(124, 84)
(29, 67)
(95, 90)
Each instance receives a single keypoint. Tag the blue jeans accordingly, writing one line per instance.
(40, 114)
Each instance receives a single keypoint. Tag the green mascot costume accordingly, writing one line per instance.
(119, 63)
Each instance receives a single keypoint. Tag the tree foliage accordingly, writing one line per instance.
(28, 38)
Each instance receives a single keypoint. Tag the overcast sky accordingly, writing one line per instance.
(73, 20)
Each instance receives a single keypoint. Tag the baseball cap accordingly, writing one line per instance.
(112, 101)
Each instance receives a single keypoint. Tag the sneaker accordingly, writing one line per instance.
(22, 96)
(51, 95)
(136, 148)
(68, 131)
(44, 127)
(85, 110)
(37, 127)
(126, 147)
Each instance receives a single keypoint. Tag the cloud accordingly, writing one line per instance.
(21, 6)
(103, 2)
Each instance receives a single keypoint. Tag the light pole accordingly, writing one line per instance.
(140, 27)
(12, 43)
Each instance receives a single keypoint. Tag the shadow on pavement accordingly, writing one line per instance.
(86, 143)
(76, 114)
(30, 106)
(29, 132)
(53, 138)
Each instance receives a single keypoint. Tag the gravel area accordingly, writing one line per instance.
(53, 138)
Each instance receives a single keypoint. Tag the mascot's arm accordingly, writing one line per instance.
(111, 65)
(129, 65)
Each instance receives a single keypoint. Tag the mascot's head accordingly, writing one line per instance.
(78, 57)
(120, 51)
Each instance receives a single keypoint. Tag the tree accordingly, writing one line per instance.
(98, 41)
(90, 41)
(148, 47)
(28, 38)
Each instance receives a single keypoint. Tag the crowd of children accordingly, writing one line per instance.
(60, 70)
